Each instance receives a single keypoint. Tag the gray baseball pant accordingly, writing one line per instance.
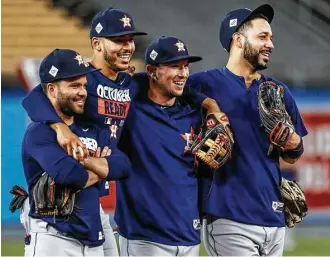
(223, 237)
(147, 248)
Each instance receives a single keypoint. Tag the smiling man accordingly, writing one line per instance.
(63, 79)
(156, 207)
(242, 204)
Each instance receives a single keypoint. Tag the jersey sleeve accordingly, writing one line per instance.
(32, 104)
(118, 163)
(192, 96)
(41, 145)
(195, 89)
(198, 82)
(294, 113)
(104, 187)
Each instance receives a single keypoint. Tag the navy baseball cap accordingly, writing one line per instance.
(113, 22)
(167, 50)
(236, 18)
(63, 64)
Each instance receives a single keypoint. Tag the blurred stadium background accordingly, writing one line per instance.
(33, 28)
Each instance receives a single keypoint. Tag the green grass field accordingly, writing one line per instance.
(305, 247)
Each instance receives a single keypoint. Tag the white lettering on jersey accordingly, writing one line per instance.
(90, 143)
(118, 95)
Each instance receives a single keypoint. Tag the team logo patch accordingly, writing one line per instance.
(112, 108)
(197, 224)
(180, 46)
(189, 138)
(107, 120)
(98, 28)
(81, 60)
(211, 123)
(101, 235)
(126, 21)
(53, 71)
(277, 206)
(153, 54)
(233, 23)
(113, 129)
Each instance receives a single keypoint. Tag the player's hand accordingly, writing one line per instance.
(131, 70)
(69, 141)
(105, 152)
(223, 119)
(293, 142)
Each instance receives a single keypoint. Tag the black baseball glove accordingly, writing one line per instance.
(19, 196)
(295, 205)
(273, 115)
(214, 144)
(51, 198)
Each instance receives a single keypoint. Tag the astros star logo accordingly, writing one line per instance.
(180, 46)
(189, 138)
(126, 21)
(81, 60)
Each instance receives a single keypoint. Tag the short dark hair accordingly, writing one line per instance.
(248, 23)
(44, 85)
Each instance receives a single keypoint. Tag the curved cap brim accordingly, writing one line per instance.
(78, 74)
(123, 33)
(189, 58)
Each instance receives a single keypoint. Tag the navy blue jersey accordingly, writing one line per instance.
(41, 153)
(107, 104)
(246, 189)
(158, 202)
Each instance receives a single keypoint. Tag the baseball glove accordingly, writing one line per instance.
(19, 196)
(51, 199)
(273, 115)
(214, 143)
(295, 205)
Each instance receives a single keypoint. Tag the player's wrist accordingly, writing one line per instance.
(294, 153)
(211, 106)
(293, 143)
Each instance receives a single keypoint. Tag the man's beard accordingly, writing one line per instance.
(65, 104)
(252, 56)
(110, 60)
(164, 89)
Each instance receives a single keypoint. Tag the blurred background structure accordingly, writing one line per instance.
(301, 58)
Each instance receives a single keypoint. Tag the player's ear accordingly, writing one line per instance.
(96, 43)
(52, 89)
(151, 70)
(238, 40)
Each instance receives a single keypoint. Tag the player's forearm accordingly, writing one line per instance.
(210, 105)
(69, 141)
(97, 165)
(58, 126)
(92, 179)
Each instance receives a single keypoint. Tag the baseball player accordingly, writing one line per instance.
(79, 232)
(156, 209)
(242, 204)
(110, 90)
